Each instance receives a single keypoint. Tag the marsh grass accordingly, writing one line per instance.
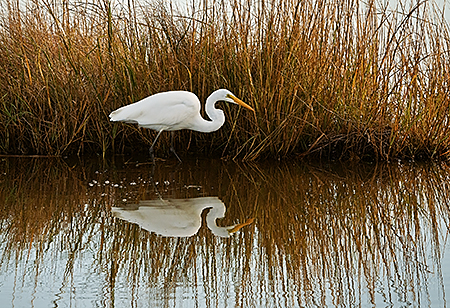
(339, 79)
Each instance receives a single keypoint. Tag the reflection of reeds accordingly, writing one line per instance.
(337, 226)
(319, 230)
(350, 79)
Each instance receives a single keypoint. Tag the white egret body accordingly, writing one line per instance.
(175, 110)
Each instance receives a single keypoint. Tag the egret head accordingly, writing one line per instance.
(227, 96)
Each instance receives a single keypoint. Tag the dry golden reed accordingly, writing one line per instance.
(348, 79)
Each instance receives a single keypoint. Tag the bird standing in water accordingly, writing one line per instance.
(176, 110)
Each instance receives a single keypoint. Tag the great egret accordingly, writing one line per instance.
(178, 217)
(175, 110)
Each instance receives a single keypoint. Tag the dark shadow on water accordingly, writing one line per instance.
(323, 234)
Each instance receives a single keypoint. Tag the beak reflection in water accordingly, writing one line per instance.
(178, 217)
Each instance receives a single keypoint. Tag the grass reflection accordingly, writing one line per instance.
(348, 228)
(331, 235)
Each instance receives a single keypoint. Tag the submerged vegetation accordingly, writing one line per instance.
(344, 79)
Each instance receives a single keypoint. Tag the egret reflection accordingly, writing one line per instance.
(178, 217)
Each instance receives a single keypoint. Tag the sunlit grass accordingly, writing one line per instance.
(341, 79)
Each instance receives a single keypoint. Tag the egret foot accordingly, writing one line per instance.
(152, 154)
(172, 149)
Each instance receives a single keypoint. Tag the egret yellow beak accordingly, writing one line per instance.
(239, 226)
(239, 102)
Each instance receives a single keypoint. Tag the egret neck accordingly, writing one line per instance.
(216, 115)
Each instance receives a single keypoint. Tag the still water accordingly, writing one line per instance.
(209, 233)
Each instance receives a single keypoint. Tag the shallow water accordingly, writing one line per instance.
(105, 233)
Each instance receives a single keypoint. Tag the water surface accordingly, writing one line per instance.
(115, 233)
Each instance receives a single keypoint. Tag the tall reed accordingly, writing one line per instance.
(347, 79)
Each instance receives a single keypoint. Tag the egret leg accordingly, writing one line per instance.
(172, 148)
(152, 154)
